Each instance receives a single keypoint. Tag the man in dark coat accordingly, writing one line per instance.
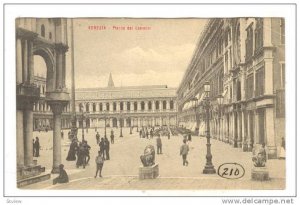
(159, 145)
(112, 137)
(37, 147)
(102, 147)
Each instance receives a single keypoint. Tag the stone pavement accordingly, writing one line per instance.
(121, 172)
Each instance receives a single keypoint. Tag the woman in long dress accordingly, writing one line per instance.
(282, 149)
(72, 151)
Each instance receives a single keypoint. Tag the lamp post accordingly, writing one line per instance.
(121, 123)
(220, 103)
(82, 119)
(195, 100)
(209, 167)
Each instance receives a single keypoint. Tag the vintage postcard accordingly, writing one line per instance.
(150, 104)
(109, 102)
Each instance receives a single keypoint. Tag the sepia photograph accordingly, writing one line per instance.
(178, 103)
(150, 104)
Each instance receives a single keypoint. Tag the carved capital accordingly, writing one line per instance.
(57, 107)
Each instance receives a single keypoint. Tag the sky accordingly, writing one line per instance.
(157, 55)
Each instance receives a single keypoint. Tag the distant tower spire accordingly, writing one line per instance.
(110, 82)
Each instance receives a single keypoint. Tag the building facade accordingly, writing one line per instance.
(243, 59)
(131, 106)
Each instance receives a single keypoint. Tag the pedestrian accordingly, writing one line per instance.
(147, 134)
(112, 137)
(72, 151)
(80, 156)
(140, 133)
(151, 133)
(98, 137)
(87, 152)
(62, 134)
(106, 147)
(102, 147)
(37, 147)
(99, 162)
(184, 150)
(63, 176)
(33, 147)
(168, 135)
(159, 145)
(189, 137)
(282, 149)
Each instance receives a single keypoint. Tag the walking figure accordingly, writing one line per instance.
(184, 150)
(112, 137)
(102, 147)
(37, 147)
(98, 137)
(159, 145)
(99, 162)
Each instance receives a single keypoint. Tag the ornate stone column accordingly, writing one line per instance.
(25, 61)
(57, 108)
(28, 133)
(19, 58)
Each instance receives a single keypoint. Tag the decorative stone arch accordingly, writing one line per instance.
(48, 55)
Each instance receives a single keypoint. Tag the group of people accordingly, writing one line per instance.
(146, 132)
(36, 147)
(81, 150)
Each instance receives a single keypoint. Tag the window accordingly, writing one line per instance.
(107, 106)
(164, 105)
(260, 82)
(42, 30)
(259, 35)
(250, 86)
(157, 105)
(121, 105)
(142, 105)
(135, 105)
(149, 105)
(100, 107)
(114, 106)
(282, 31)
(128, 105)
(94, 107)
(171, 104)
(249, 43)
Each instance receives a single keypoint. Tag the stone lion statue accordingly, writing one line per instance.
(148, 158)
(259, 157)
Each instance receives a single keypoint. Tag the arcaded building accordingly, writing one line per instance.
(244, 61)
(126, 106)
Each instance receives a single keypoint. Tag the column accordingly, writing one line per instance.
(20, 139)
(59, 68)
(160, 105)
(118, 106)
(139, 105)
(97, 109)
(269, 73)
(19, 61)
(256, 127)
(111, 122)
(111, 106)
(249, 130)
(244, 142)
(57, 109)
(146, 106)
(153, 105)
(153, 121)
(168, 104)
(28, 134)
(131, 106)
(138, 122)
(118, 122)
(239, 134)
(30, 62)
(161, 120)
(25, 62)
(270, 133)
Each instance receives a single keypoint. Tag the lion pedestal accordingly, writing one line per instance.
(150, 172)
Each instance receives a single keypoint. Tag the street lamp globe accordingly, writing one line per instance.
(207, 88)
